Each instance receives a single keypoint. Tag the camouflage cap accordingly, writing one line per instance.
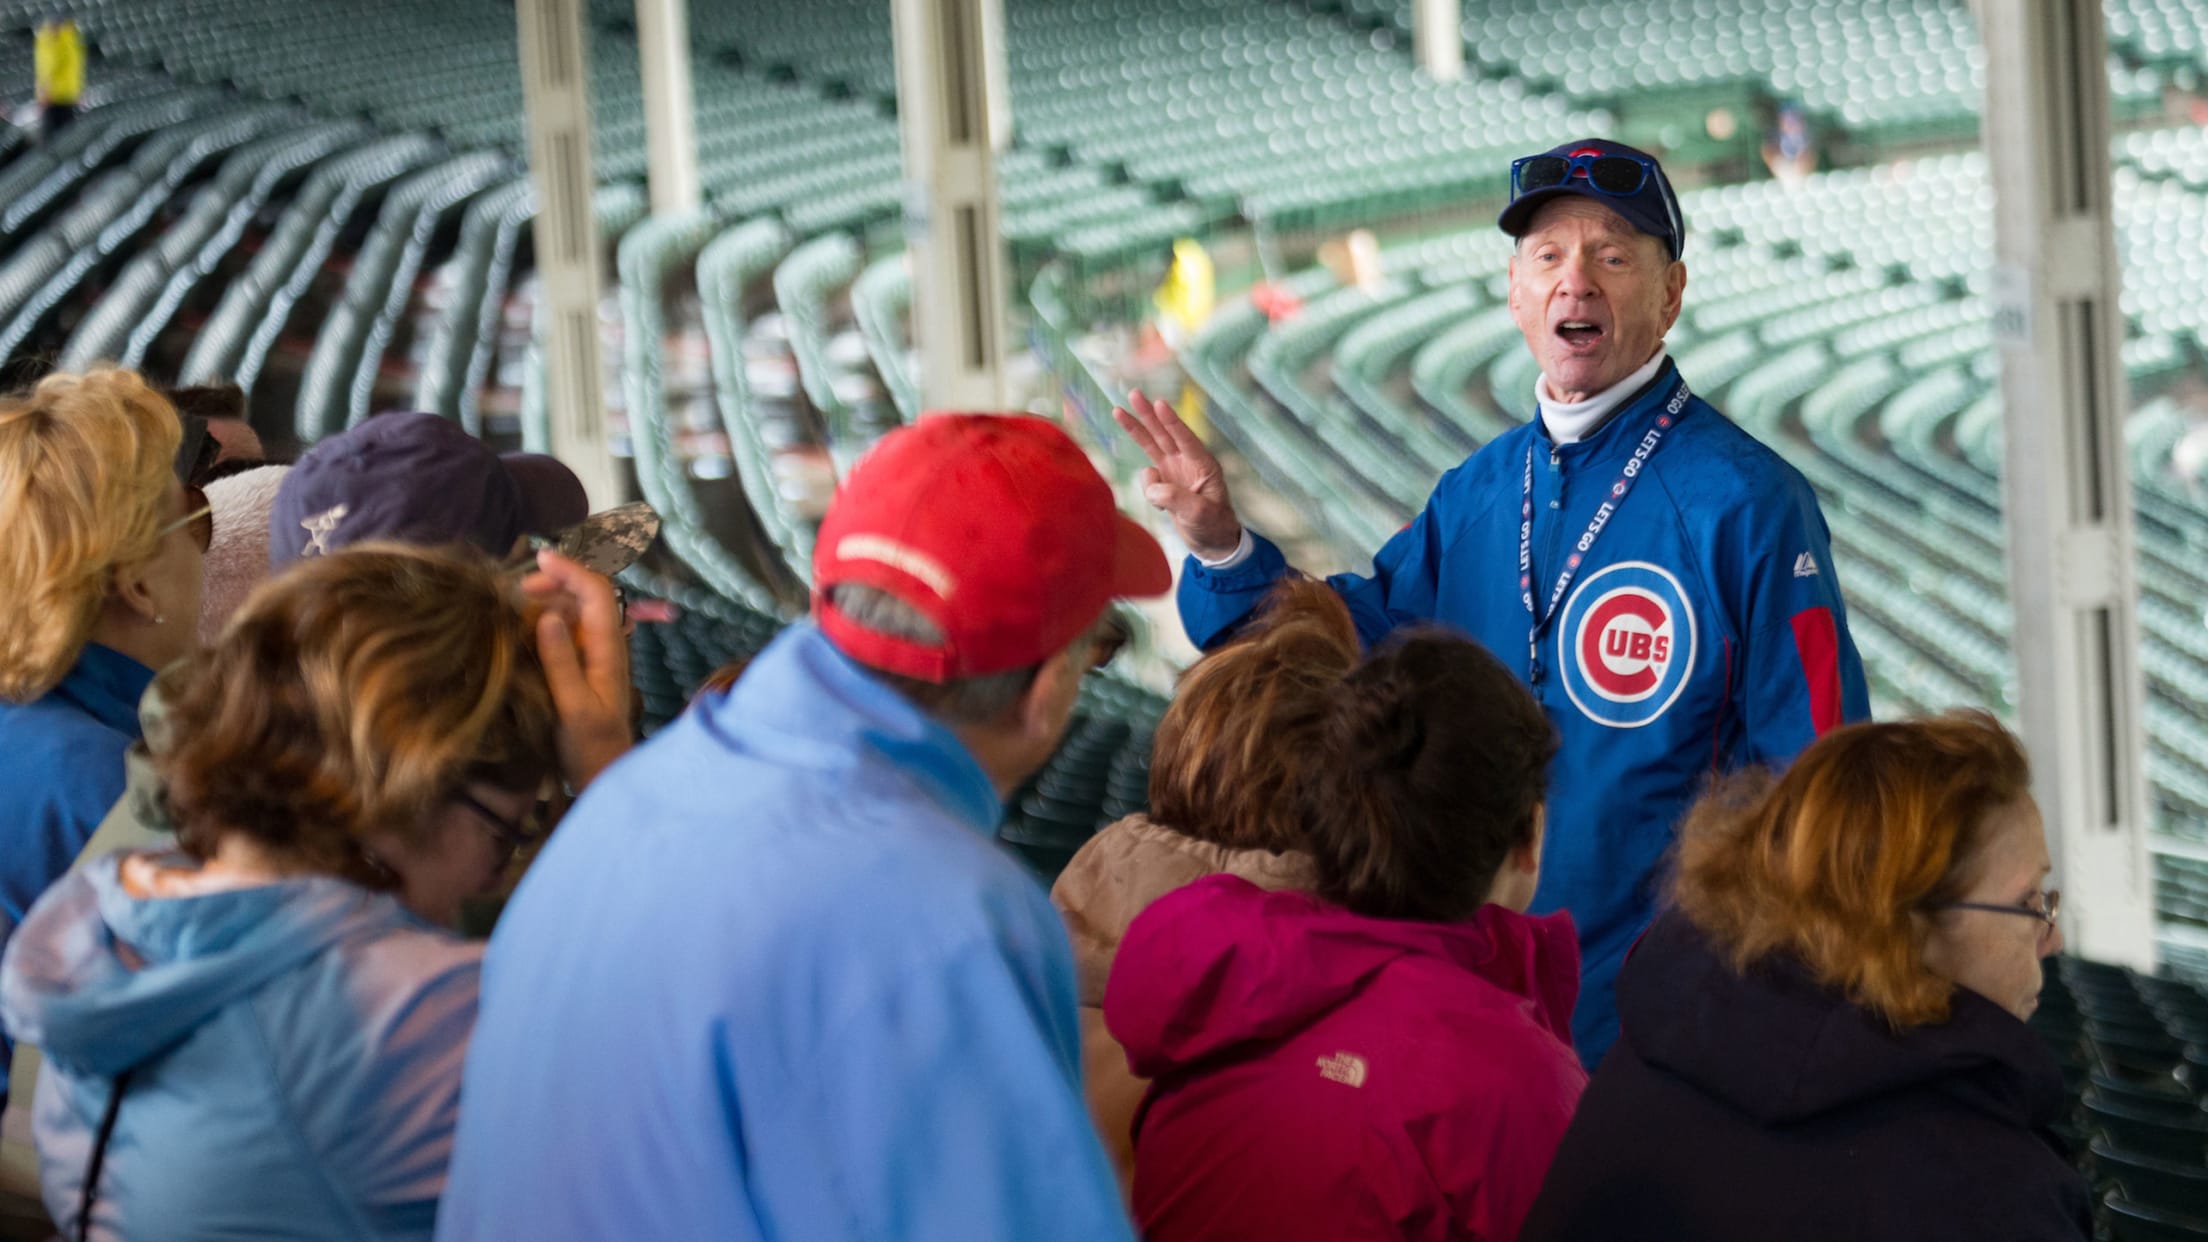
(609, 542)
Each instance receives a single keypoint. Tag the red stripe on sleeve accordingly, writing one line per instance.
(1817, 639)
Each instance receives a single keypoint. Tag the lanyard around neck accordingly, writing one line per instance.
(1538, 618)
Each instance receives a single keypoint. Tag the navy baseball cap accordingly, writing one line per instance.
(1635, 187)
(418, 478)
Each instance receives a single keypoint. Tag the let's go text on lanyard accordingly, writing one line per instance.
(1538, 618)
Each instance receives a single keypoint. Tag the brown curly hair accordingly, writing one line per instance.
(1431, 767)
(356, 692)
(1838, 862)
(1245, 719)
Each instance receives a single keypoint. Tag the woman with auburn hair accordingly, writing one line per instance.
(1388, 1054)
(1825, 1038)
(261, 1032)
(1242, 725)
(100, 566)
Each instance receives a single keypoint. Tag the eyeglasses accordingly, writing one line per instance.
(515, 834)
(1619, 176)
(2048, 911)
(199, 518)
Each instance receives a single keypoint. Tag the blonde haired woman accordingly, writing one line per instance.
(262, 1032)
(100, 560)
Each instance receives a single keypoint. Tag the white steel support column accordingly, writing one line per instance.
(670, 113)
(1437, 37)
(953, 112)
(2067, 488)
(555, 87)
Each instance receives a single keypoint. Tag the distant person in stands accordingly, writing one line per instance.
(101, 553)
(57, 71)
(1663, 581)
(266, 1024)
(1243, 724)
(1825, 1038)
(1389, 1056)
(774, 978)
(1184, 302)
(1790, 152)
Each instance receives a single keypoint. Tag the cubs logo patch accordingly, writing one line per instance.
(1626, 644)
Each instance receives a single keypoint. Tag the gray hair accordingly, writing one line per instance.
(965, 700)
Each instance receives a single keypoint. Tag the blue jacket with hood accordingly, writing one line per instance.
(774, 979)
(1704, 631)
(61, 768)
(294, 1051)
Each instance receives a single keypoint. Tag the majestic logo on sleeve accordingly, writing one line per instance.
(1626, 644)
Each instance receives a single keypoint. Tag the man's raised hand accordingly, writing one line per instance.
(1183, 478)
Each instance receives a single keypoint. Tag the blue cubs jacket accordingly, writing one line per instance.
(1701, 630)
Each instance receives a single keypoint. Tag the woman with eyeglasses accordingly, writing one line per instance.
(100, 563)
(260, 1033)
(1824, 1036)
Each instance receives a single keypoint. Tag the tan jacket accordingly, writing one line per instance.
(1111, 880)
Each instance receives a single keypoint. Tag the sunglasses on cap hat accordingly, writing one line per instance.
(1629, 177)
(1619, 176)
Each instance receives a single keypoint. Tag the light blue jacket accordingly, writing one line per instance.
(772, 979)
(295, 1051)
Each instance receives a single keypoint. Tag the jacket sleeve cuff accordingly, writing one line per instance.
(1253, 566)
(1245, 548)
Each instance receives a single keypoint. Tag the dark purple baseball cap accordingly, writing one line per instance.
(1651, 208)
(418, 478)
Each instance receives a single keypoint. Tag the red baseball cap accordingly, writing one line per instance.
(993, 526)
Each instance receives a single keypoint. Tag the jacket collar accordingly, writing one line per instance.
(1782, 1047)
(804, 703)
(1616, 438)
(106, 685)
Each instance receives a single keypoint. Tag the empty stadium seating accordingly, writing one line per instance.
(2131, 1050)
(1893, 71)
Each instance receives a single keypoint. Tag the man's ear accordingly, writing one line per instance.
(1039, 711)
(1675, 292)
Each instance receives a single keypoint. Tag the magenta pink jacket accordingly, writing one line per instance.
(1323, 1075)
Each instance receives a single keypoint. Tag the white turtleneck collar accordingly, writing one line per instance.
(1570, 423)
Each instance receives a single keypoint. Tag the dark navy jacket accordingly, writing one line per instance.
(1743, 1108)
(1704, 632)
(61, 768)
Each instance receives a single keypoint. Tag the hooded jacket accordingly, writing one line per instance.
(1745, 1107)
(1702, 631)
(1323, 1075)
(294, 1051)
(1115, 876)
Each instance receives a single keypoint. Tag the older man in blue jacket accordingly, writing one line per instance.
(1663, 581)
(773, 979)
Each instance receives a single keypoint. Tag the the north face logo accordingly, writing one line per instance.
(1346, 1068)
